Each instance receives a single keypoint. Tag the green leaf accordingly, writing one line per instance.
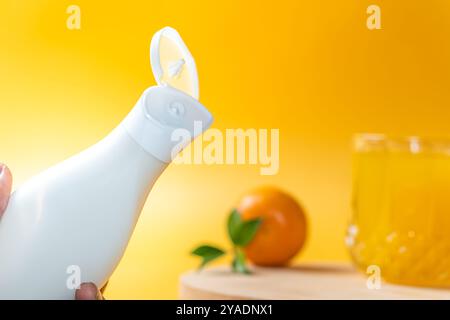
(238, 263)
(248, 231)
(207, 253)
(234, 226)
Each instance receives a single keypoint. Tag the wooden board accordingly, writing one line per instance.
(306, 281)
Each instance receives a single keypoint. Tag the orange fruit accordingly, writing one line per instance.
(283, 230)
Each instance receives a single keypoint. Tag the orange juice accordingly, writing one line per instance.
(401, 209)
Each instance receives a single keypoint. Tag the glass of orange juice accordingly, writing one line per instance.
(401, 209)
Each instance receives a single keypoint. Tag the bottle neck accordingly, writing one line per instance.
(122, 156)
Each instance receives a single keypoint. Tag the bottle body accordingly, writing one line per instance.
(74, 219)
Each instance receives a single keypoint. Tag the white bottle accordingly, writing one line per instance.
(73, 221)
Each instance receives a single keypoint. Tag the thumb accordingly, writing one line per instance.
(88, 291)
(5, 187)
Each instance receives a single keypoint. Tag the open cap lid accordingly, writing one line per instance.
(172, 63)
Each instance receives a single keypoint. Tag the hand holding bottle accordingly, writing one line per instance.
(87, 291)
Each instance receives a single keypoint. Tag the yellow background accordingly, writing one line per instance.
(310, 68)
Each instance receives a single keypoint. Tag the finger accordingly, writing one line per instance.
(88, 291)
(5, 187)
(102, 290)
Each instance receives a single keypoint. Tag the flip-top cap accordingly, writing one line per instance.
(167, 117)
